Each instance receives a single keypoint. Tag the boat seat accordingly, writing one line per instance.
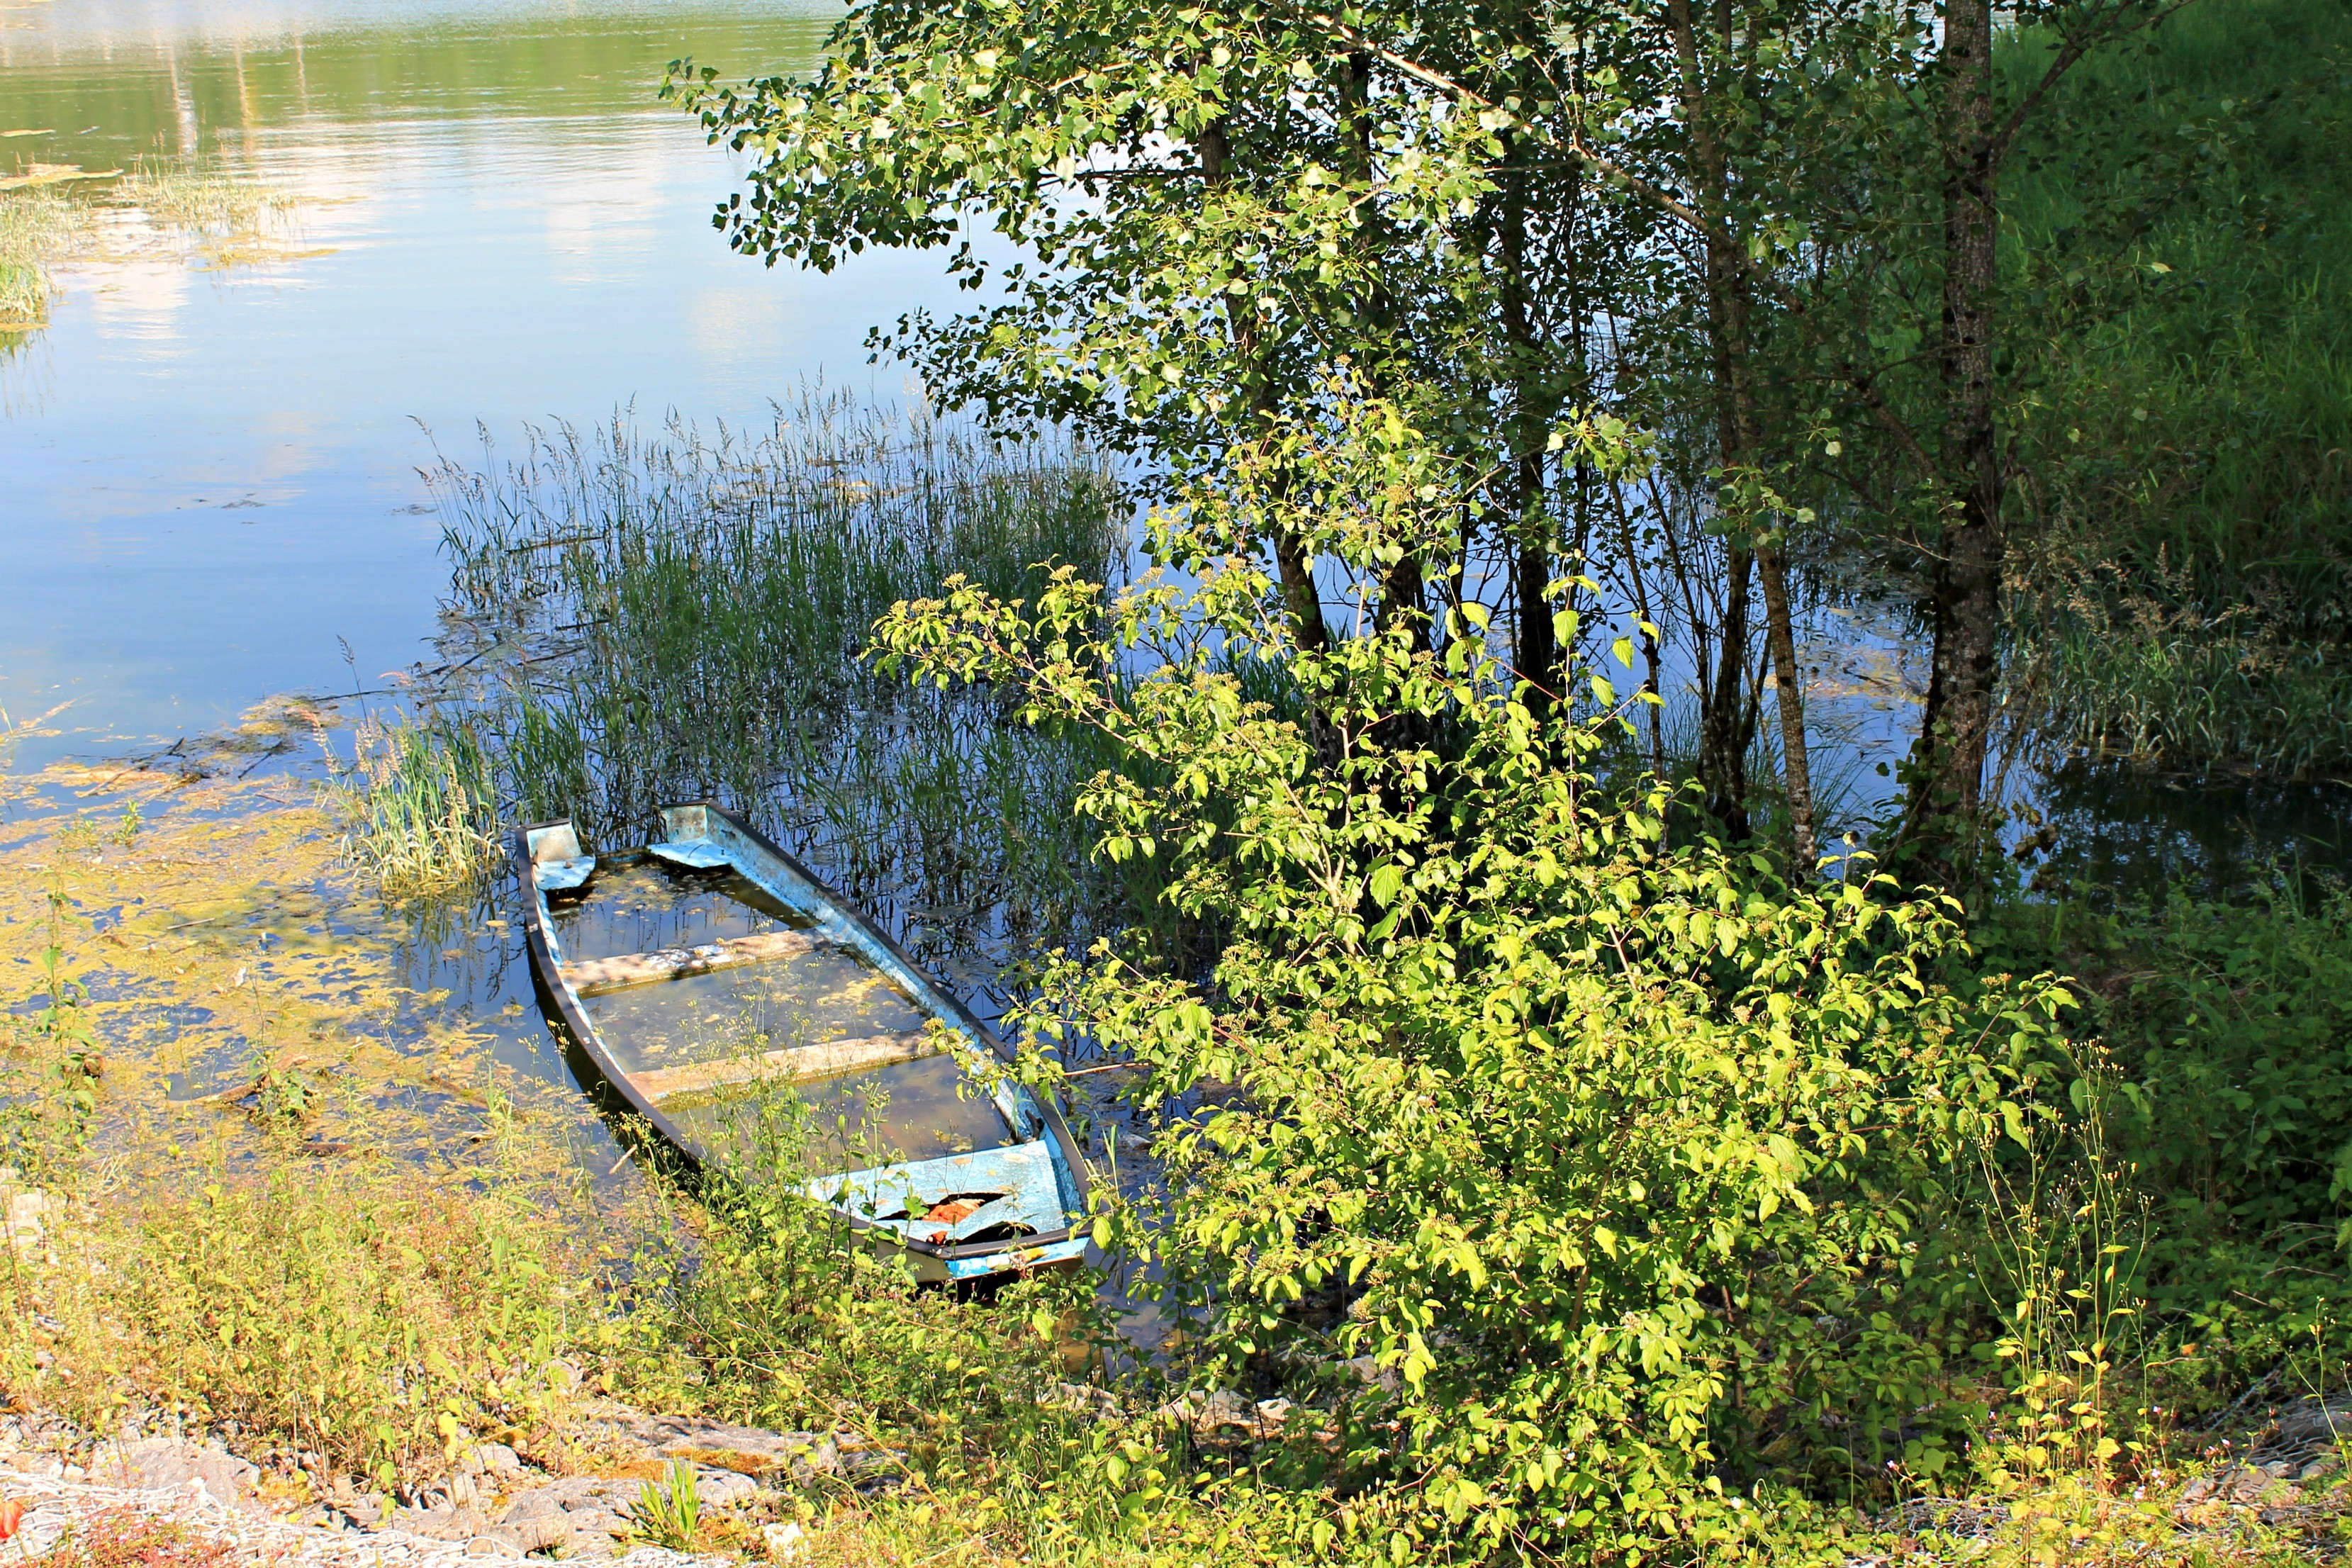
(821, 1060)
(698, 853)
(561, 876)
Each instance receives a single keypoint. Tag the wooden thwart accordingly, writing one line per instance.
(800, 1061)
(595, 976)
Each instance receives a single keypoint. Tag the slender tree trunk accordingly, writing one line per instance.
(1722, 760)
(1640, 581)
(1403, 597)
(1722, 733)
(1293, 566)
(1787, 703)
(1965, 593)
(1538, 648)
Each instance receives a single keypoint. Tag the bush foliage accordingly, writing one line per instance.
(1640, 1176)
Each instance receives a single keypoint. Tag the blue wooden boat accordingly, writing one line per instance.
(700, 973)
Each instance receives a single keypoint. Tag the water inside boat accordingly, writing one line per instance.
(663, 1033)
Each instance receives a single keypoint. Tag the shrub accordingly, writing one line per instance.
(1640, 1177)
(2229, 1024)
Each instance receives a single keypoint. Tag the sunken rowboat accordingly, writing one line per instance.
(700, 974)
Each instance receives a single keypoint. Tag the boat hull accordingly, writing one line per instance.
(1040, 1179)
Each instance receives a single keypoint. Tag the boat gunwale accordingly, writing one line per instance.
(584, 1032)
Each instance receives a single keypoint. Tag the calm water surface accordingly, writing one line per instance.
(208, 477)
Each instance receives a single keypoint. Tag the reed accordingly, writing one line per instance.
(2174, 690)
(643, 617)
(419, 805)
(36, 227)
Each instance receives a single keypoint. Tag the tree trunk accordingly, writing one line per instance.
(1295, 568)
(1403, 593)
(1537, 650)
(1788, 703)
(1965, 595)
(1722, 748)
(1723, 767)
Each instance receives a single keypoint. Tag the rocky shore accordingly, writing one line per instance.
(495, 1504)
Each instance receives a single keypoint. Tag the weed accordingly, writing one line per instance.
(126, 1538)
(366, 1320)
(48, 1069)
(669, 1511)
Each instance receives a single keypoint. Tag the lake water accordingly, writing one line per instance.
(208, 477)
(209, 487)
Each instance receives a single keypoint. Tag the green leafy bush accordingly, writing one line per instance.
(1586, 1176)
(2235, 1024)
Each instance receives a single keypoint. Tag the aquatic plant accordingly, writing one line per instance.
(192, 205)
(2185, 593)
(640, 617)
(36, 227)
(199, 196)
(420, 804)
(2169, 686)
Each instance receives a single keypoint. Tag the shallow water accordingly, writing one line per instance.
(907, 1111)
(210, 474)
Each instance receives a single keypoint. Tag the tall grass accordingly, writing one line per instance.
(643, 617)
(2185, 227)
(360, 1321)
(420, 804)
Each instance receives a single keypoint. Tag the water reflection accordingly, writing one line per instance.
(211, 470)
(2112, 832)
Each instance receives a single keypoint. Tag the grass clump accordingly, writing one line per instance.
(37, 228)
(421, 806)
(669, 1511)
